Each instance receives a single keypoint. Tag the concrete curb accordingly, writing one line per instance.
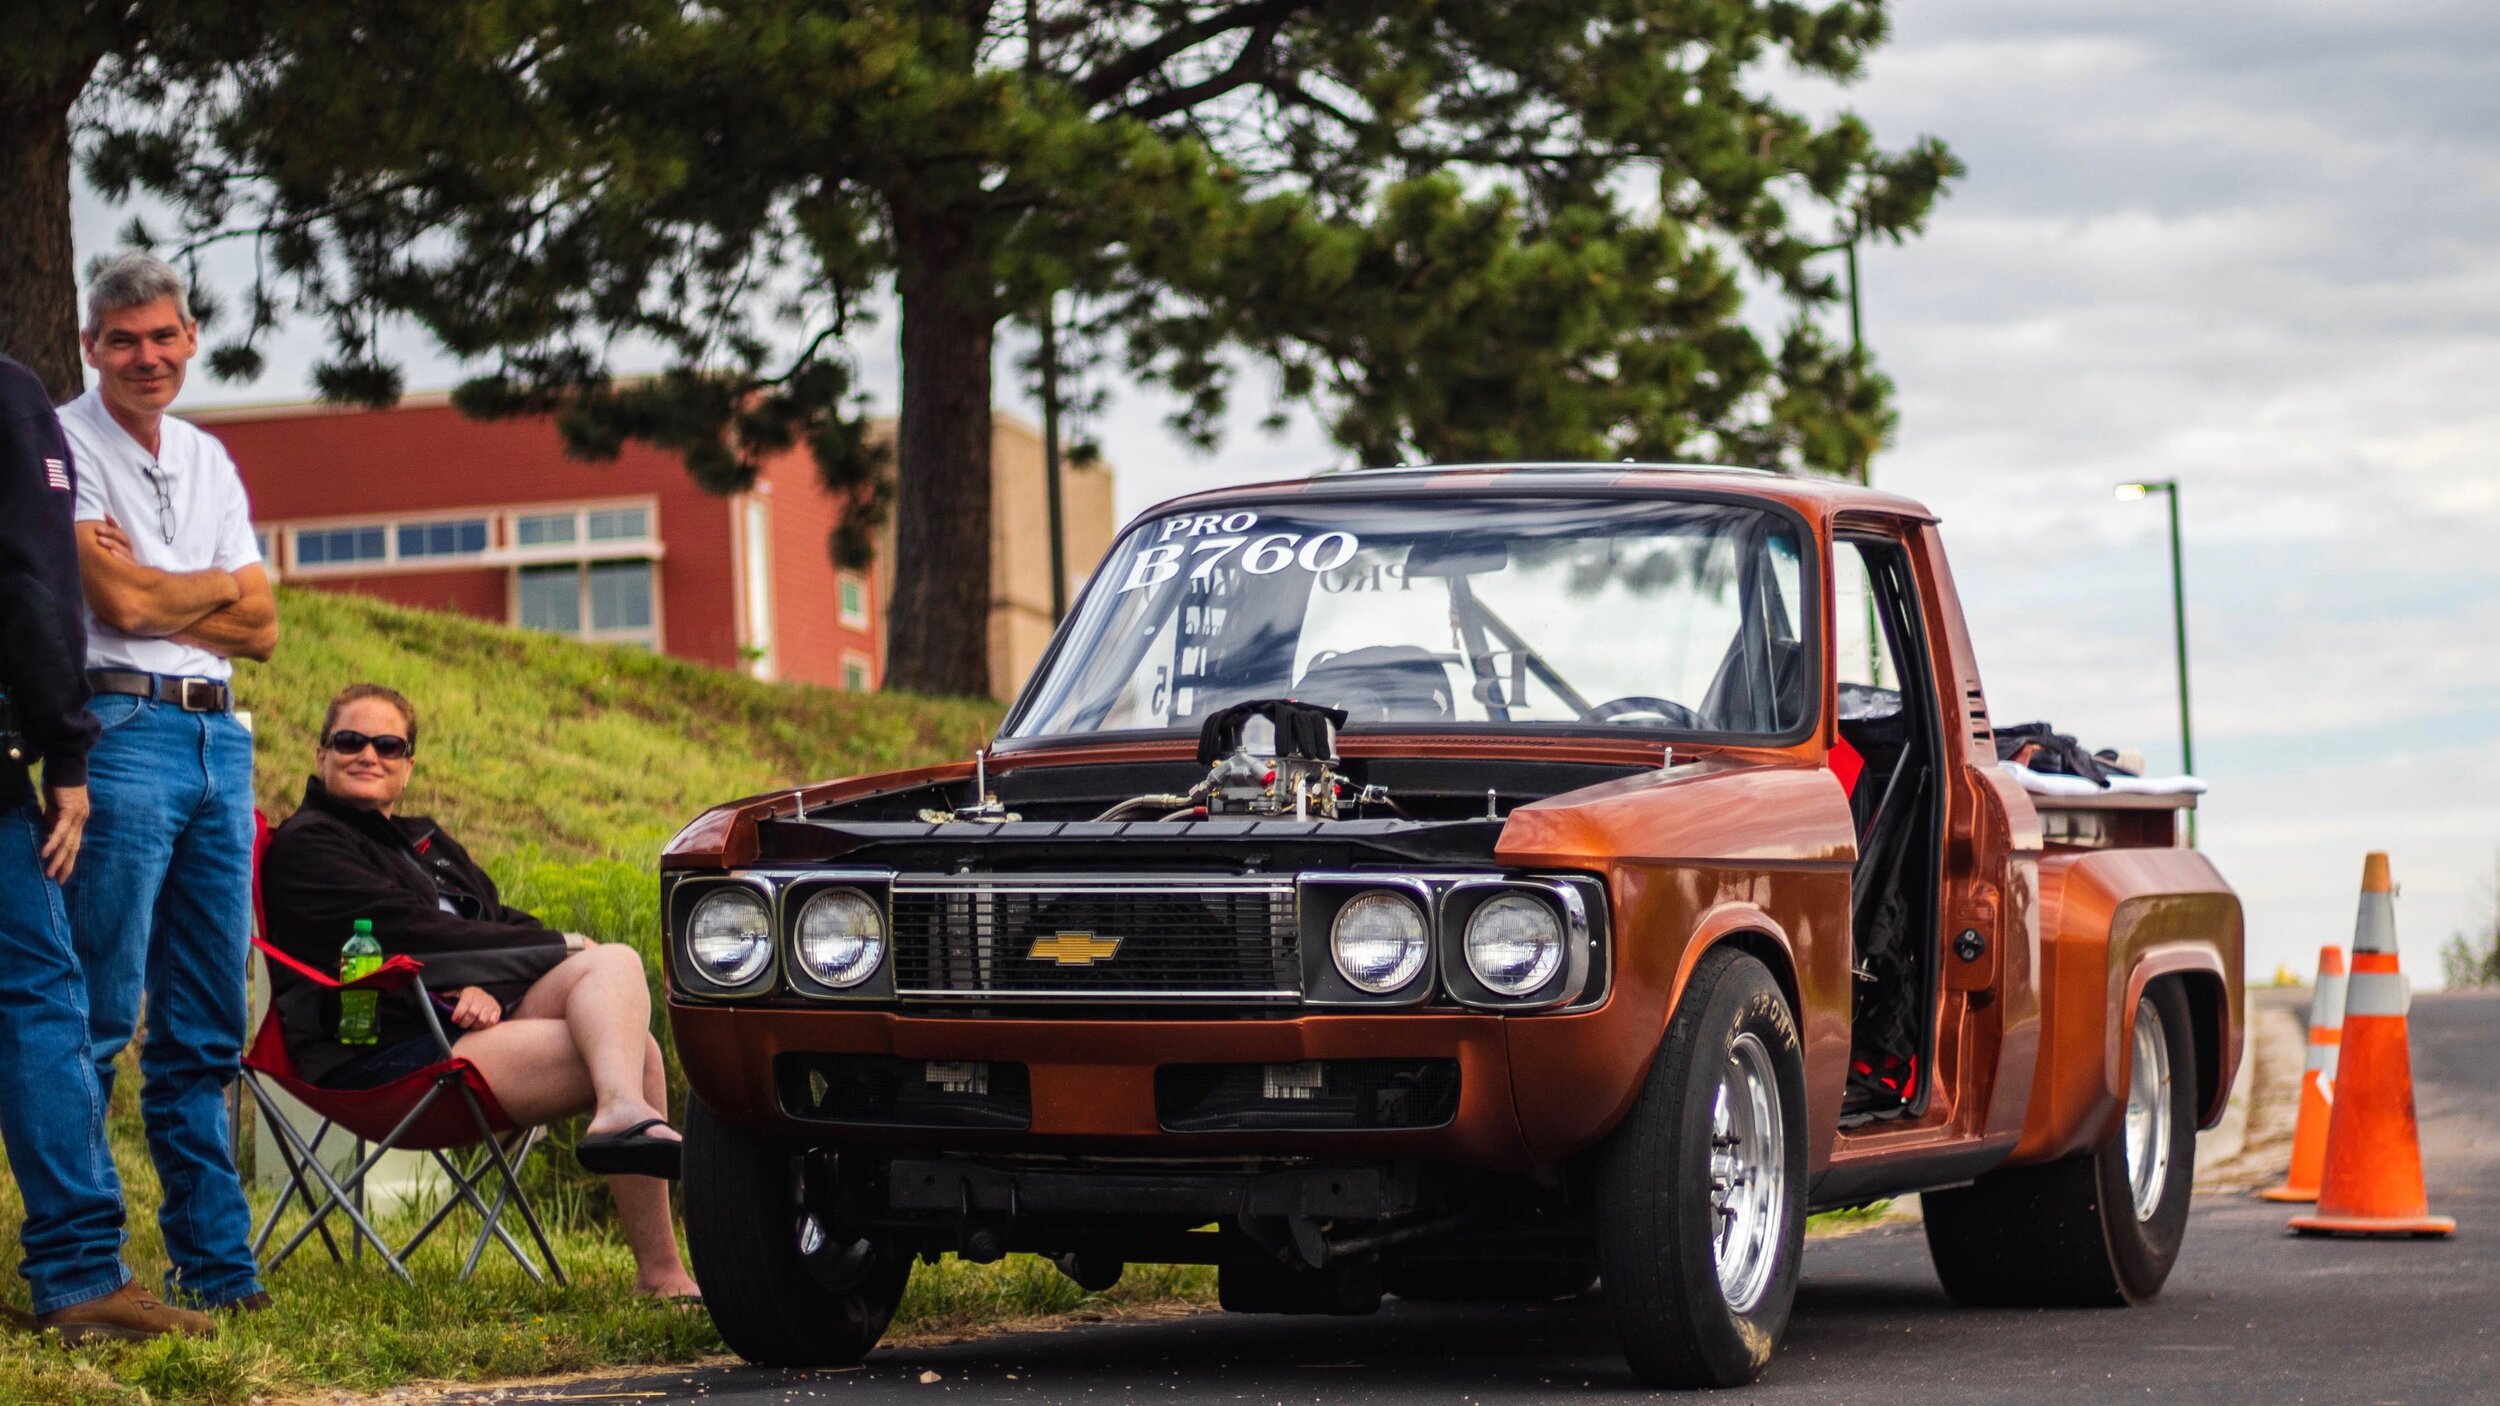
(2253, 1145)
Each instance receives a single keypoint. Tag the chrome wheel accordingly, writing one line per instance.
(2148, 1113)
(839, 1268)
(1748, 1173)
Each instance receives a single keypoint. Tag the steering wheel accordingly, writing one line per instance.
(1633, 706)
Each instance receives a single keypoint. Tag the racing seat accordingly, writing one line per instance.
(440, 1110)
(1380, 683)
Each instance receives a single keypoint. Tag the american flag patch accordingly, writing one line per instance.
(56, 474)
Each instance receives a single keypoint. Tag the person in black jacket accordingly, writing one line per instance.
(51, 1108)
(556, 1024)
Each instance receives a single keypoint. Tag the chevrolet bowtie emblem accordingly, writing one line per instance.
(1074, 949)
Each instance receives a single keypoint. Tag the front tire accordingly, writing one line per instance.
(1701, 1191)
(779, 1293)
(2099, 1230)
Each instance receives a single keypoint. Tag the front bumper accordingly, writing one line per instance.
(1092, 1082)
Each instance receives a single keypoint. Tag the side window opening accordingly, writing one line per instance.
(1886, 716)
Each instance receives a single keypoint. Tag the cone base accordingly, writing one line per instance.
(2303, 1195)
(2373, 1225)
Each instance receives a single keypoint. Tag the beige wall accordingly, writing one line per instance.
(1020, 624)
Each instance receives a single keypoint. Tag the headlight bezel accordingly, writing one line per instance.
(1575, 902)
(694, 976)
(1320, 897)
(876, 979)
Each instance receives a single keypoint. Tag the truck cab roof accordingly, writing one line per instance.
(1816, 498)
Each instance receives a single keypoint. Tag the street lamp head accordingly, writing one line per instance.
(2132, 492)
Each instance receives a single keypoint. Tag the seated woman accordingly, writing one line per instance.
(557, 1024)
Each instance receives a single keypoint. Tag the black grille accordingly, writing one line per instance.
(1210, 941)
(1345, 1095)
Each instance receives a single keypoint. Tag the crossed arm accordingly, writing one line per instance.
(225, 612)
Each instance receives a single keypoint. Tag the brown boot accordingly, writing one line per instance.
(129, 1313)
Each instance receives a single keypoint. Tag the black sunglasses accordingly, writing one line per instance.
(387, 746)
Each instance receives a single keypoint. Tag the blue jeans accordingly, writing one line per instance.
(161, 907)
(51, 1112)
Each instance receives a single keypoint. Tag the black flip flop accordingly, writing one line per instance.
(631, 1153)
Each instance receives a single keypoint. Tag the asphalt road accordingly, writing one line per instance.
(2251, 1315)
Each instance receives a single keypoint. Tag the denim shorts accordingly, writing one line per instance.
(371, 1069)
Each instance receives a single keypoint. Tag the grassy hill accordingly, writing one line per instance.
(533, 744)
(564, 766)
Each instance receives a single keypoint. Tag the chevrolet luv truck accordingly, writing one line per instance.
(1482, 883)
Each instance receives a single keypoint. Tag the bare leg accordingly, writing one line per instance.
(538, 1076)
(601, 997)
(642, 1206)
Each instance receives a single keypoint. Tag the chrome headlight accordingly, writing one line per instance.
(1378, 941)
(1514, 944)
(729, 935)
(841, 937)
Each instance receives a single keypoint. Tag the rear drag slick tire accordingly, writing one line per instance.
(2100, 1230)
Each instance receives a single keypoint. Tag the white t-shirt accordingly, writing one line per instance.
(202, 520)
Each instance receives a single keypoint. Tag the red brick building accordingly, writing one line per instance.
(422, 506)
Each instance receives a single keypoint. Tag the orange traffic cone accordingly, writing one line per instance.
(2373, 1179)
(2317, 1082)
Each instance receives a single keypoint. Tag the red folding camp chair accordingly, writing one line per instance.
(439, 1109)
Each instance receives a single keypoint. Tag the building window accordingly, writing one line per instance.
(268, 546)
(855, 673)
(545, 529)
(609, 601)
(341, 546)
(854, 596)
(620, 598)
(567, 527)
(619, 524)
(459, 537)
(551, 599)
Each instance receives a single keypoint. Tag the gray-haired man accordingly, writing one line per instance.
(160, 904)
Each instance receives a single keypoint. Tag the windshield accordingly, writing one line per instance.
(1618, 613)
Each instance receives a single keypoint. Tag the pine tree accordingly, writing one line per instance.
(49, 52)
(1464, 230)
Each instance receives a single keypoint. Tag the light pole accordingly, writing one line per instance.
(2169, 488)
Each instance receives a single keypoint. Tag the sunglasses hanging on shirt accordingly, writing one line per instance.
(164, 502)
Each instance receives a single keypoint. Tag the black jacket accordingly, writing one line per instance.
(331, 864)
(43, 632)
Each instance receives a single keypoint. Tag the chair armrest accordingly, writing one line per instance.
(390, 976)
(393, 974)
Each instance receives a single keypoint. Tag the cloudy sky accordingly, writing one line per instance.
(2252, 246)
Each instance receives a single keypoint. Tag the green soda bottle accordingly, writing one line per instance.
(361, 957)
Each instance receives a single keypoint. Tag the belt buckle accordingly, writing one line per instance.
(205, 701)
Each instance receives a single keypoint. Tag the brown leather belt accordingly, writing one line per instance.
(191, 695)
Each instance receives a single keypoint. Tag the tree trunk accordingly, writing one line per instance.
(938, 624)
(38, 266)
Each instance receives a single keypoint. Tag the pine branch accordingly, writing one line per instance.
(1107, 81)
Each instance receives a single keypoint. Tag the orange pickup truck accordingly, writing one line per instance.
(1464, 883)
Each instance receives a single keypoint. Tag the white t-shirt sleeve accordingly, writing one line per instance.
(91, 505)
(237, 546)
